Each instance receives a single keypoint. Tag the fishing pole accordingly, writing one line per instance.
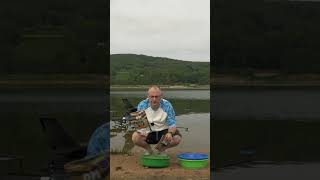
(185, 128)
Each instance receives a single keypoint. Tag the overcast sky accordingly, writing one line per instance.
(177, 29)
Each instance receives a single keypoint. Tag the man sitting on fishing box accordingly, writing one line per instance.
(162, 122)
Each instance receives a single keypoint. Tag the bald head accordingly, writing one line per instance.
(154, 88)
(154, 96)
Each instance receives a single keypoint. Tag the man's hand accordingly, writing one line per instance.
(168, 137)
(143, 132)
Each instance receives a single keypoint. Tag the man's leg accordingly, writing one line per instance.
(176, 139)
(140, 140)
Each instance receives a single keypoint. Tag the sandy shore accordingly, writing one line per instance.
(123, 166)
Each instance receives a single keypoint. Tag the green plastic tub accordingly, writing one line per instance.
(193, 164)
(193, 160)
(155, 161)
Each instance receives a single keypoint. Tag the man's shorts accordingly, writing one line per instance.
(155, 136)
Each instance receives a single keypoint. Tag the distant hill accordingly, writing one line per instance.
(133, 69)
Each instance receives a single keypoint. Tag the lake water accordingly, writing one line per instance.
(192, 109)
(266, 103)
(265, 131)
(277, 124)
(79, 111)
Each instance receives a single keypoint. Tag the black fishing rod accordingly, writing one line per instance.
(185, 128)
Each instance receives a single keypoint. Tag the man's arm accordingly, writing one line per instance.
(171, 119)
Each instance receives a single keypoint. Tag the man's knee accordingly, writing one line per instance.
(177, 139)
(135, 137)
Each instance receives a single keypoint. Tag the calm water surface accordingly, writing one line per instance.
(79, 111)
(266, 133)
(197, 137)
(266, 104)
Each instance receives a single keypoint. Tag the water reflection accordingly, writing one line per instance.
(257, 149)
(267, 140)
(79, 111)
(273, 131)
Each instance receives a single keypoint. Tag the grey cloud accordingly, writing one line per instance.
(160, 32)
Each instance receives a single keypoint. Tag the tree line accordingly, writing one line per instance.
(133, 69)
(269, 35)
(44, 36)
